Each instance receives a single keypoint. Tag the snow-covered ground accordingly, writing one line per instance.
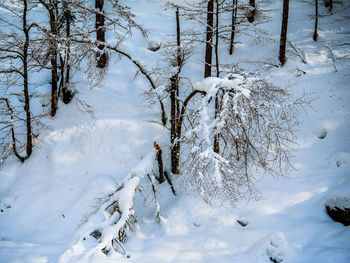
(81, 158)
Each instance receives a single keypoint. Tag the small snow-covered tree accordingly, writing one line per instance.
(255, 124)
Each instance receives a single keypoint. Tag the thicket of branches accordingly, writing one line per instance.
(224, 131)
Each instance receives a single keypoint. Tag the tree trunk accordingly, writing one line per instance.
(67, 95)
(178, 38)
(175, 105)
(316, 21)
(53, 60)
(217, 97)
(209, 39)
(233, 25)
(330, 6)
(24, 73)
(174, 137)
(252, 11)
(100, 34)
(283, 40)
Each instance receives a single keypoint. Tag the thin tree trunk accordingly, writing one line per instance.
(29, 143)
(252, 11)
(100, 34)
(217, 97)
(174, 137)
(283, 40)
(66, 93)
(233, 25)
(316, 21)
(53, 60)
(217, 38)
(209, 39)
(175, 104)
(178, 37)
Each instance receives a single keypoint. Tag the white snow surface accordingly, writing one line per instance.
(81, 159)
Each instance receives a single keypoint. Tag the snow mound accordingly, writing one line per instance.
(273, 248)
(154, 44)
(339, 197)
(211, 85)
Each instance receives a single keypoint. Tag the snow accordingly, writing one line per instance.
(211, 85)
(51, 201)
(273, 247)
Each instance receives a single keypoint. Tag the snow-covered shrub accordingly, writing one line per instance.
(273, 248)
(254, 139)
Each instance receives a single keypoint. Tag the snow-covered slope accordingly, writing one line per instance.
(80, 159)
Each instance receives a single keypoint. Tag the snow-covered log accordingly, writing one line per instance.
(104, 231)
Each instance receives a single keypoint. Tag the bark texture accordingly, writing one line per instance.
(233, 25)
(283, 40)
(209, 39)
(100, 34)
(316, 22)
(252, 11)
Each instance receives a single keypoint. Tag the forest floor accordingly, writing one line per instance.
(82, 156)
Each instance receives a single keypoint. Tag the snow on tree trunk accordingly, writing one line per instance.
(209, 39)
(100, 34)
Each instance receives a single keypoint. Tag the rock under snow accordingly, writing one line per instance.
(154, 44)
(272, 248)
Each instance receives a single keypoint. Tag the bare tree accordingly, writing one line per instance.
(15, 66)
(51, 7)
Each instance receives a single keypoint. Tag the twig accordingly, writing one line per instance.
(169, 182)
(297, 52)
(332, 55)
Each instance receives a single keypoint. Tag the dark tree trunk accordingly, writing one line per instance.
(100, 34)
(233, 25)
(252, 11)
(175, 105)
(53, 60)
(24, 73)
(329, 4)
(29, 146)
(217, 98)
(67, 95)
(283, 40)
(216, 146)
(174, 136)
(178, 38)
(316, 21)
(217, 38)
(209, 39)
